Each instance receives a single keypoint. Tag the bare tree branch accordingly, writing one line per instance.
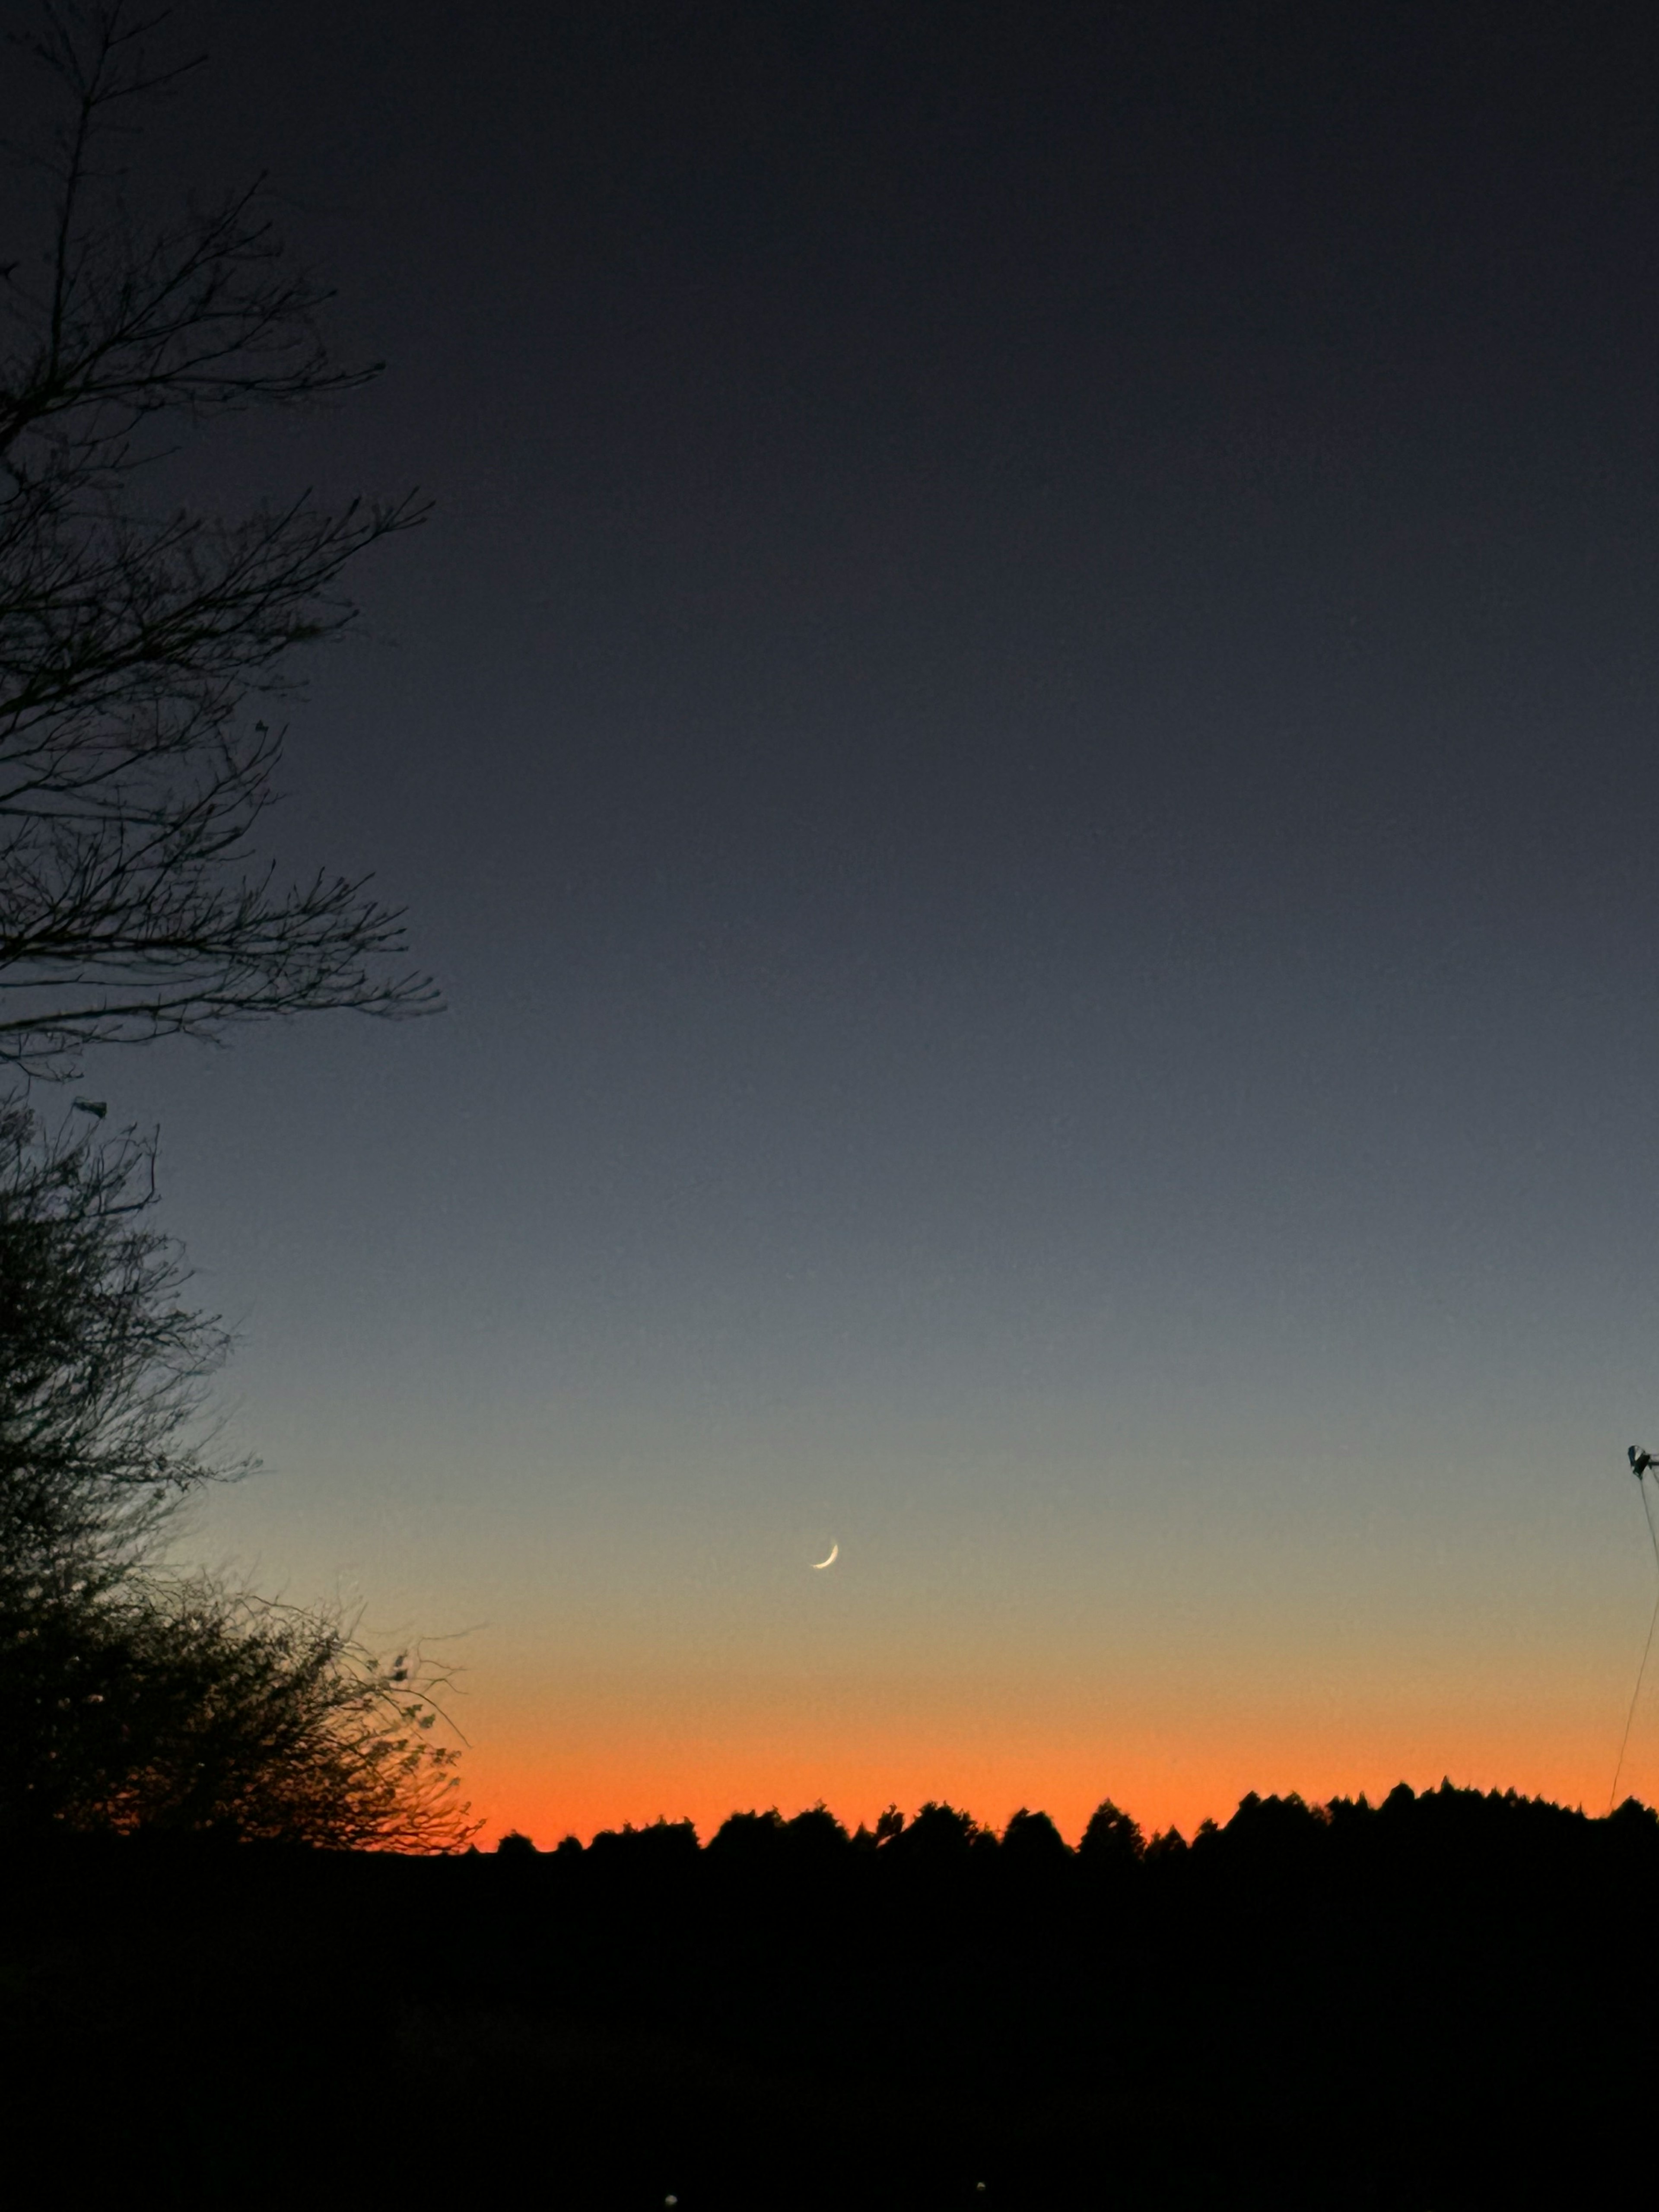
(134, 774)
(104, 1370)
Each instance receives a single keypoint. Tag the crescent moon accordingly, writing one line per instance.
(818, 1565)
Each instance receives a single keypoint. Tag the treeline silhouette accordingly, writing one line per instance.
(1443, 2000)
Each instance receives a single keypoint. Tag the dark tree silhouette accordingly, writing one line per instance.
(1167, 1845)
(940, 1835)
(747, 1842)
(133, 634)
(129, 1700)
(815, 1837)
(1112, 1840)
(1031, 1842)
(663, 1846)
(136, 636)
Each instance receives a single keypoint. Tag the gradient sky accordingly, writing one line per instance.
(1024, 742)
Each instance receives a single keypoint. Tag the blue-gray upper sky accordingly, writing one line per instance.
(1023, 740)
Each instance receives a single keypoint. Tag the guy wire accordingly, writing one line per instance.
(1630, 1716)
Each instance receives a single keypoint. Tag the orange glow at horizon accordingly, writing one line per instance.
(1161, 1780)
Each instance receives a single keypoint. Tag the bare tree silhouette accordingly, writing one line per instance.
(133, 636)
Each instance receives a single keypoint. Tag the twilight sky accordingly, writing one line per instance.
(1024, 742)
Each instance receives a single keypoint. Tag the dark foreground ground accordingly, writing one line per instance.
(1451, 2001)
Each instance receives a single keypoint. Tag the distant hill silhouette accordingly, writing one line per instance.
(1444, 2000)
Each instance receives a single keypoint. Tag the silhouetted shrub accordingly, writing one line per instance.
(127, 1698)
(177, 1707)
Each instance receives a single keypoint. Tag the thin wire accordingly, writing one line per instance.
(1624, 1741)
